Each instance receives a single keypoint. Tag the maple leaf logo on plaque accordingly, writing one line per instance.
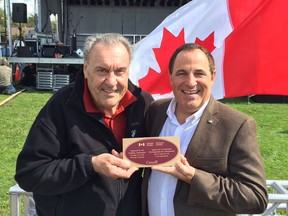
(159, 83)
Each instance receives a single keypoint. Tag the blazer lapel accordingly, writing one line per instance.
(203, 131)
(159, 117)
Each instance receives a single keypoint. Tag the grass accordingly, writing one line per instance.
(272, 133)
(18, 115)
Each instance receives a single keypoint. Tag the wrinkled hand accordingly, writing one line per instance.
(181, 170)
(112, 165)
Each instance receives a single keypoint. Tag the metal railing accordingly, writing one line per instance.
(278, 200)
(278, 197)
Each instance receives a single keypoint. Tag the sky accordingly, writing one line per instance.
(29, 3)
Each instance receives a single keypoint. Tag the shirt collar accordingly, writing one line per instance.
(172, 107)
(90, 107)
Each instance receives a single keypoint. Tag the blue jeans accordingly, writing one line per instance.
(7, 89)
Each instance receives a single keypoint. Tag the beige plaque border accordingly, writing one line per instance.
(172, 139)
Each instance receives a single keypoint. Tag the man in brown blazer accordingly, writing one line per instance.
(221, 170)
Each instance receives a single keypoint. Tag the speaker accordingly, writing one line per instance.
(48, 51)
(19, 13)
(24, 52)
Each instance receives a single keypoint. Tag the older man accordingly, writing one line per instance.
(70, 160)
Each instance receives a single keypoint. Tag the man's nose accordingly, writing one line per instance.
(111, 79)
(191, 80)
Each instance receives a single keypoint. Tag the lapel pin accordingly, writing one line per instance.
(133, 133)
(209, 121)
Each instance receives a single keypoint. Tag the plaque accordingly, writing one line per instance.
(151, 151)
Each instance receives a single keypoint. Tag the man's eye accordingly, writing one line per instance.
(181, 74)
(200, 74)
(119, 71)
(101, 71)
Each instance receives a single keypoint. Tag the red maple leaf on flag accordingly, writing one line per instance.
(159, 83)
(208, 43)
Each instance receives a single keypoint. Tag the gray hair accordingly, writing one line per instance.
(107, 38)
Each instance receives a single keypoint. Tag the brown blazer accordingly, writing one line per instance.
(229, 178)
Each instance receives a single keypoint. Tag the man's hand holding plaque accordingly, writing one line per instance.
(152, 151)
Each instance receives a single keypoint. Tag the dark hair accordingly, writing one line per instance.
(188, 47)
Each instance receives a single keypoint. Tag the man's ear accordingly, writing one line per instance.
(213, 77)
(170, 78)
(85, 69)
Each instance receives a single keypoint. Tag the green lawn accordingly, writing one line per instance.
(18, 114)
(272, 134)
(16, 118)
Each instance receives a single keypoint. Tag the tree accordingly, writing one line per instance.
(2, 20)
(31, 21)
(2, 25)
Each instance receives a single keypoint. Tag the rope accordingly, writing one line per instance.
(11, 97)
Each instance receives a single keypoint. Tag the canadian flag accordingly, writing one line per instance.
(248, 39)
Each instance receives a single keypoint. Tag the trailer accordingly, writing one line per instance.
(75, 20)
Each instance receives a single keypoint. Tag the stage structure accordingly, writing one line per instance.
(75, 20)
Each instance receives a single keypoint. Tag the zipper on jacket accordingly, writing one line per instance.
(120, 194)
(120, 189)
